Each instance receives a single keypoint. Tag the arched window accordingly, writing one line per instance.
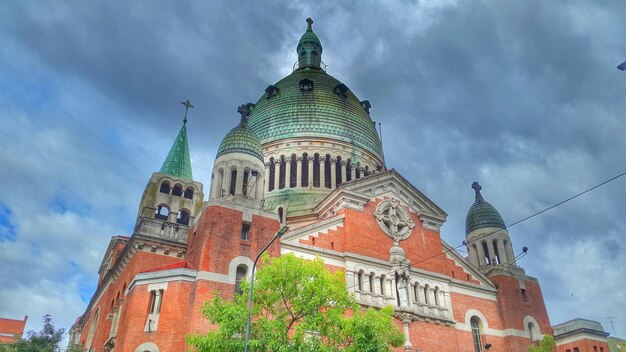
(246, 180)
(486, 250)
(162, 211)
(189, 192)
(282, 171)
(532, 330)
(360, 278)
(327, 171)
(476, 325)
(416, 292)
(183, 217)
(372, 276)
(337, 170)
(293, 171)
(437, 300)
(272, 175)
(495, 251)
(281, 215)
(316, 170)
(219, 190)
(304, 182)
(426, 294)
(382, 285)
(233, 182)
(178, 190)
(349, 170)
(242, 271)
(165, 187)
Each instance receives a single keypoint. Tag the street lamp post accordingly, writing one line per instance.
(278, 234)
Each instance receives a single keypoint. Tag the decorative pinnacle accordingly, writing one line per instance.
(187, 105)
(309, 22)
(476, 186)
(244, 110)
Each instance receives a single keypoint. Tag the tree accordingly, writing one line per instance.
(546, 345)
(46, 340)
(298, 306)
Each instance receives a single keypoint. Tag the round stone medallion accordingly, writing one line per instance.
(394, 220)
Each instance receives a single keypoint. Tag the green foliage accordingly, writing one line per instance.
(46, 340)
(546, 345)
(298, 306)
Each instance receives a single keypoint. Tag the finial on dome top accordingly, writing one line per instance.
(187, 105)
(309, 22)
(476, 186)
(244, 110)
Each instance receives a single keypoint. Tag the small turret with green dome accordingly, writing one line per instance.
(241, 139)
(309, 48)
(482, 214)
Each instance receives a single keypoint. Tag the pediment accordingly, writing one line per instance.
(386, 185)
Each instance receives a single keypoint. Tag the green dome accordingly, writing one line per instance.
(325, 111)
(482, 214)
(241, 140)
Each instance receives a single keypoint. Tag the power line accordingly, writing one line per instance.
(68, 115)
(513, 224)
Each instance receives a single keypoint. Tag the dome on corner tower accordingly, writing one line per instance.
(482, 214)
(241, 139)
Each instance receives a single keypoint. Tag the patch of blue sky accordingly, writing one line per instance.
(63, 202)
(7, 227)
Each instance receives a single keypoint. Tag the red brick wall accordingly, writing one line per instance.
(584, 345)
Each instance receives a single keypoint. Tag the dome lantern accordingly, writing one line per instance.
(309, 48)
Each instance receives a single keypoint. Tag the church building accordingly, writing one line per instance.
(307, 155)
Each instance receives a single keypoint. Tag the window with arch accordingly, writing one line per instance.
(327, 171)
(272, 175)
(476, 325)
(426, 294)
(162, 211)
(165, 187)
(293, 171)
(349, 170)
(382, 285)
(416, 292)
(183, 217)
(372, 276)
(282, 170)
(177, 190)
(233, 182)
(495, 252)
(337, 171)
(358, 170)
(304, 181)
(486, 259)
(189, 193)
(360, 279)
(532, 330)
(246, 180)
(437, 298)
(281, 215)
(316, 170)
(240, 274)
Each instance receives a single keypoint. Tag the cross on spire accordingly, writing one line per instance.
(309, 22)
(244, 110)
(187, 105)
(476, 186)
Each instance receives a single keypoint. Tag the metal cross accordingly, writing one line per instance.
(187, 105)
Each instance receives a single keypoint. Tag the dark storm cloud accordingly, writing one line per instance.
(522, 96)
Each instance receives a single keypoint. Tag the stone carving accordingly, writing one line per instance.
(394, 220)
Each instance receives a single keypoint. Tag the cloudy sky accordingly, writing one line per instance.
(522, 96)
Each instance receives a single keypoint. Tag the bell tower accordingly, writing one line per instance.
(171, 199)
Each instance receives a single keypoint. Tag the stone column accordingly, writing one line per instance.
(333, 173)
(502, 252)
(310, 180)
(266, 186)
(481, 254)
(299, 172)
(288, 172)
(322, 172)
(509, 253)
(352, 171)
(239, 182)
(225, 182)
(276, 174)
(259, 187)
(473, 255)
(343, 171)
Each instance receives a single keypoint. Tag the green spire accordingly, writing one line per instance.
(178, 161)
